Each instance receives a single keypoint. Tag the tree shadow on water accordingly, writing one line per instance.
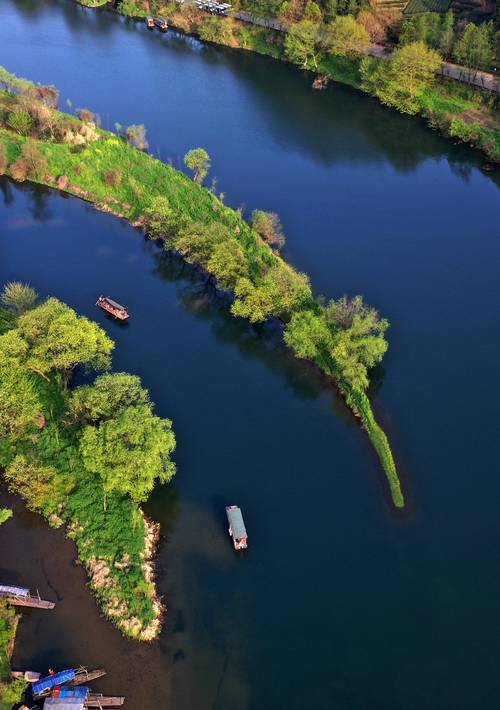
(197, 295)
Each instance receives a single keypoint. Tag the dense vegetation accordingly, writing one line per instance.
(331, 37)
(345, 337)
(11, 691)
(83, 457)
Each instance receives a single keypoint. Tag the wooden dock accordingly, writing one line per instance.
(28, 600)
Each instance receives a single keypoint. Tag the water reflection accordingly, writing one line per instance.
(264, 342)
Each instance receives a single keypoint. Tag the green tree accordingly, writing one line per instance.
(280, 292)
(228, 263)
(198, 160)
(59, 339)
(19, 401)
(19, 297)
(130, 452)
(33, 481)
(447, 34)
(198, 240)
(103, 399)
(474, 48)
(161, 220)
(268, 226)
(346, 337)
(303, 43)
(346, 37)
(401, 80)
(30, 163)
(313, 12)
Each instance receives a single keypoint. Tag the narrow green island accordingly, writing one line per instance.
(84, 457)
(332, 39)
(344, 337)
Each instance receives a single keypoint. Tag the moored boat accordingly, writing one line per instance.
(237, 529)
(22, 597)
(150, 22)
(161, 23)
(112, 307)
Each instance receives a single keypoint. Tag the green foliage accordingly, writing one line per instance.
(401, 81)
(12, 693)
(19, 297)
(474, 48)
(215, 29)
(106, 396)
(160, 219)
(346, 37)
(130, 451)
(268, 226)
(58, 339)
(303, 43)
(198, 160)
(346, 333)
(5, 514)
(466, 132)
(19, 401)
(46, 463)
(20, 121)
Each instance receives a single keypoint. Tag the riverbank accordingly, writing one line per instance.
(11, 691)
(344, 338)
(60, 446)
(461, 112)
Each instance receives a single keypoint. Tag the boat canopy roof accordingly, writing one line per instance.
(115, 304)
(236, 522)
(51, 680)
(81, 691)
(64, 704)
(14, 591)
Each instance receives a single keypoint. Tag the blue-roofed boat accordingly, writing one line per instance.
(45, 685)
(237, 528)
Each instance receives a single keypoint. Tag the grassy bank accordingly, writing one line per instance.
(459, 111)
(11, 691)
(345, 337)
(53, 442)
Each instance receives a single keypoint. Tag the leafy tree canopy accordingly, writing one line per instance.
(59, 339)
(130, 452)
(106, 396)
(346, 37)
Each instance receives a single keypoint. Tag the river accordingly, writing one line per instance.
(340, 602)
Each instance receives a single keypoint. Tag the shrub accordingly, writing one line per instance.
(466, 132)
(20, 121)
(31, 163)
(112, 177)
(213, 29)
(136, 136)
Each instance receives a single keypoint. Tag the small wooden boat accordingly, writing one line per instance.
(18, 596)
(161, 23)
(112, 307)
(96, 700)
(237, 529)
(150, 22)
(82, 675)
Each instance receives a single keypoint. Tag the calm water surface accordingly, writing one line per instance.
(339, 603)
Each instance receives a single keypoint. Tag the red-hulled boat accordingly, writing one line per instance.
(112, 307)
